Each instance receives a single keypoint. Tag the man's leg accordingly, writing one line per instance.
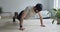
(15, 16)
(13, 19)
(21, 24)
(21, 20)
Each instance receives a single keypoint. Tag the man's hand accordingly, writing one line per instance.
(43, 25)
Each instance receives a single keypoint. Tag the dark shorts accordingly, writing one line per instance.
(20, 15)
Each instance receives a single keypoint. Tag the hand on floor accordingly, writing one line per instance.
(43, 25)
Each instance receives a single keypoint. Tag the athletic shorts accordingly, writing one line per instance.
(19, 16)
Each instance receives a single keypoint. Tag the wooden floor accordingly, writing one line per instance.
(31, 25)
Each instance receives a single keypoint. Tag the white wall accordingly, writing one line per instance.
(58, 3)
(18, 5)
(50, 4)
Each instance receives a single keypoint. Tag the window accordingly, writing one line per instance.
(55, 3)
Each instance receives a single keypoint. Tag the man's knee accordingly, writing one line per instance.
(13, 19)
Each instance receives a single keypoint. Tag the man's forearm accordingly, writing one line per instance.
(41, 20)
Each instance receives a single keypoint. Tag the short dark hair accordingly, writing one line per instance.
(39, 6)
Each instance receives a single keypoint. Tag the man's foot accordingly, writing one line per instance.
(43, 25)
(21, 28)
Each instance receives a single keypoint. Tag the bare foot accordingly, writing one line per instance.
(21, 28)
(43, 25)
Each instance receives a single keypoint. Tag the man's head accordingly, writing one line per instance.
(38, 7)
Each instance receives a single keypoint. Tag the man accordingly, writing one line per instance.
(28, 12)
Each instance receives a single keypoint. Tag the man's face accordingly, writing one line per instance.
(37, 11)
